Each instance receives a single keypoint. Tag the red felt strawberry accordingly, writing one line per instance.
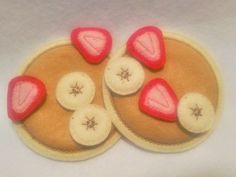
(157, 99)
(25, 94)
(93, 43)
(147, 45)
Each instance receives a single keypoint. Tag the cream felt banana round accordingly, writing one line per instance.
(195, 112)
(74, 90)
(90, 125)
(124, 75)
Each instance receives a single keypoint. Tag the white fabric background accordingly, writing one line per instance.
(26, 25)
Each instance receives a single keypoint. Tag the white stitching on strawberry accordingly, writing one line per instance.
(148, 45)
(23, 95)
(93, 41)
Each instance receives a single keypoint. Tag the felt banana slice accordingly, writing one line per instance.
(75, 90)
(90, 125)
(195, 112)
(124, 75)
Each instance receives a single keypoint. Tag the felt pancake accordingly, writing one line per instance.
(188, 69)
(46, 131)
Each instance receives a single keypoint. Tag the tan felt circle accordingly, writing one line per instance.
(188, 69)
(46, 131)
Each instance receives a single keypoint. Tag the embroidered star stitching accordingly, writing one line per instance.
(124, 74)
(76, 89)
(90, 123)
(196, 111)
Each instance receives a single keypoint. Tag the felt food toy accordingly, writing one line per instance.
(57, 99)
(25, 94)
(92, 42)
(147, 45)
(158, 100)
(177, 105)
(196, 113)
(75, 90)
(160, 90)
(88, 120)
(124, 76)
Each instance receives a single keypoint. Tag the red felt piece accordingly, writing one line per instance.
(147, 45)
(93, 43)
(25, 94)
(158, 100)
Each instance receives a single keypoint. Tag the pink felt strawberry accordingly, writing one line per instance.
(25, 94)
(93, 43)
(158, 100)
(147, 45)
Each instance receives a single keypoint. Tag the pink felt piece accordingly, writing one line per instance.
(93, 43)
(158, 100)
(25, 94)
(147, 45)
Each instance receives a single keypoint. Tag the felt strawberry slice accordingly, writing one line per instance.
(147, 45)
(93, 43)
(157, 99)
(25, 94)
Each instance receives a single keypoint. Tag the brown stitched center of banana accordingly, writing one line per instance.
(90, 123)
(75, 89)
(124, 74)
(196, 111)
